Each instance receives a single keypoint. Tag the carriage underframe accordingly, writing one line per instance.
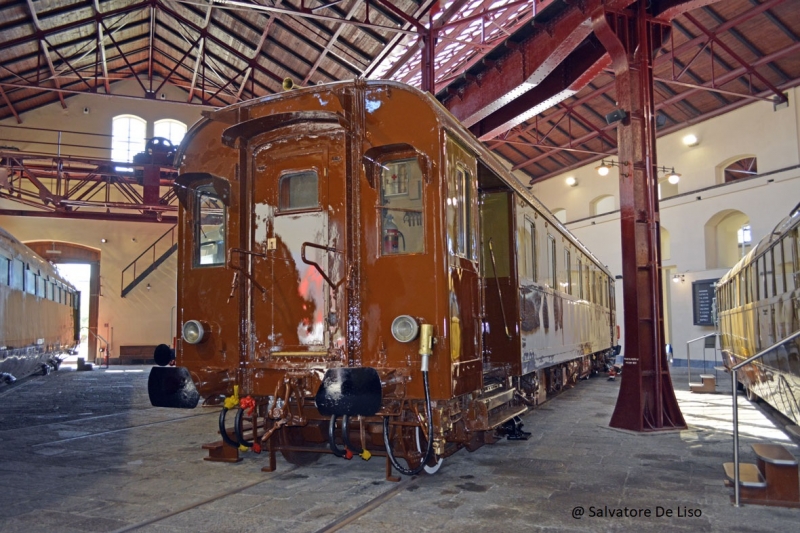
(288, 421)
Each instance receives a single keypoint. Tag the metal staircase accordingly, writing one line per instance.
(148, 261)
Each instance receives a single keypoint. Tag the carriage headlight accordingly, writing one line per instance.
(193, 332)
(405, 328)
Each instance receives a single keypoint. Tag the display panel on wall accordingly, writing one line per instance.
(703, 301)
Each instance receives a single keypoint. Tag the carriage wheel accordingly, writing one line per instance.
(293, 436)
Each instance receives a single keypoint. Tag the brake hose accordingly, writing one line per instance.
(237, 429)
(223, 431)
(429, 449)
(332, 440)
(346, 438)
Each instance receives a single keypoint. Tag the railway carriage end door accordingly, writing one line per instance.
(298, 246)
(462, 269)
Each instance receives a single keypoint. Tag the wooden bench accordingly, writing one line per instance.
(136, 355)
(773, 480)
(709, 384)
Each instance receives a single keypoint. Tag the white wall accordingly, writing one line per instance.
(772, 136)
(143, 317)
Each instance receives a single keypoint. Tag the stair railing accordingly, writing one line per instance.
(735, 395)
(689, 353)
(152, 247)
(107, 349)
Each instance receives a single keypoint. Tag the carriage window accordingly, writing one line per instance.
(461, 203)
(770, 278)
(777, 251)
(299, 190)
(568, 268)
(30, 281)
(401, 207)
(580, 279)
(4, 266)
(209, 230)
(40, 286)
(49, 287)
(17, 274)
(788, 265)
(551, 261)
(534, 263)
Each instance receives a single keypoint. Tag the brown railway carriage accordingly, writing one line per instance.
(350, 250)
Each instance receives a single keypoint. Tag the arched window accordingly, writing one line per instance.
(741, 168)
(728, 238)
(127, 137)
(602, 204)
(170, 129)
(561, 215)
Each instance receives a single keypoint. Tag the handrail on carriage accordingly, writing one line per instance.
(99, 337)
(688, 353)
(734, 368)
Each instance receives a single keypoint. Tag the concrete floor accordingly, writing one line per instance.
(85, 452)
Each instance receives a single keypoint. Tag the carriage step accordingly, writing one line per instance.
(219, 452)
(709, 384)
(773, 480)
(774, 454)
(749, 475)
(501, 416)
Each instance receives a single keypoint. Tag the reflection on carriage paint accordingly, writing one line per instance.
(758, 304)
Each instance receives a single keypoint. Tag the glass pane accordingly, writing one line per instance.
(210, 231)
(17, 274)
(551, 261)
(4, 265)
(788, 264)
(778, 256)
(30, 282)
(299, 190)
(401, 207)
(170, 129)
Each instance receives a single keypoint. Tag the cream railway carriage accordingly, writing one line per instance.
(758, 304)
(38, 312)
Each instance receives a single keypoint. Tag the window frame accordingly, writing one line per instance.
(552, 263)
(200, 192)
(389, 157)
(131, 145)
(170, 121)
(294, 210)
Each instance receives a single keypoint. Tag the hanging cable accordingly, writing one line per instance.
(237, 429)
(223, 431)
(332, 439)
(346, 437)
(428, 450)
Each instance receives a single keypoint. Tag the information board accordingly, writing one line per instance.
(703, 301)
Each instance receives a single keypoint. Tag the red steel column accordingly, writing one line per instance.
(646, 400)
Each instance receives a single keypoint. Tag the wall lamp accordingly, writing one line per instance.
(690, 140)
(678, 278)
(606, 166)
(571, 181)
(672, 176)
